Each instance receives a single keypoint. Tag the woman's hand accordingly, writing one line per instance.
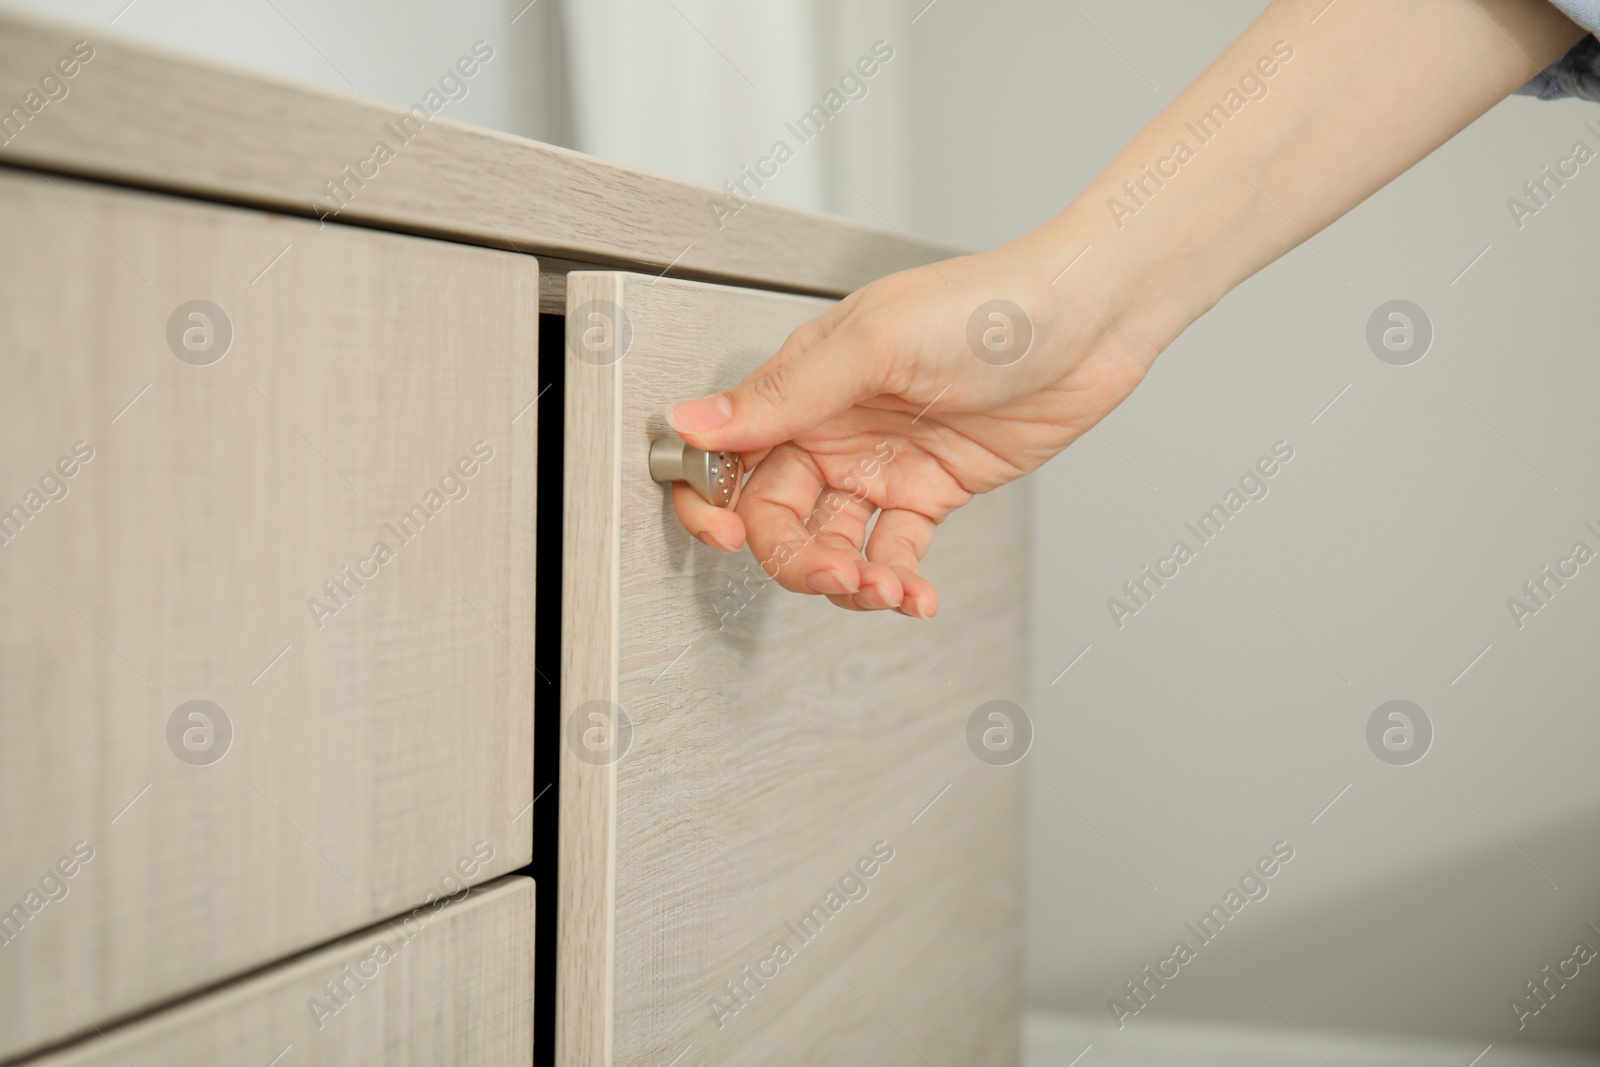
(904, 401)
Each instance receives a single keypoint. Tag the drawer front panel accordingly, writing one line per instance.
(266, 546)
(447, 984)
(793, 775)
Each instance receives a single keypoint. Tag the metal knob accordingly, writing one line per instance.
(714, 475)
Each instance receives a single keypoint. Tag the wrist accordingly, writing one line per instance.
(1156, 269)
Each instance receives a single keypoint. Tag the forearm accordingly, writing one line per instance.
(1294, 125)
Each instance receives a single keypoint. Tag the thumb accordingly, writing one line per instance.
(778, 403)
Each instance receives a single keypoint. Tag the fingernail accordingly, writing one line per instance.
(873, 598)
(700, 416)
(828, 583)
(711, 539)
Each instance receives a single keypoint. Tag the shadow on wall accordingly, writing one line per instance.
(1314, 963)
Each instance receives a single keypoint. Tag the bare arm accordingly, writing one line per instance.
(1372, 88)
(1314, 108)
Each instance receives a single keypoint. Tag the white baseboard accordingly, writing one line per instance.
(1052, 1040)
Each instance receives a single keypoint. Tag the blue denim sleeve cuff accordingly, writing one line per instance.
(1575, 74)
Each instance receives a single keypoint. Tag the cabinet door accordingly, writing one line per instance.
(777, 844)
(266, 551)
(447, 983)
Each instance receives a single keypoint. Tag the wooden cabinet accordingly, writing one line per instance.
(267, 512)
(448, 983)
(777, 844)
(268, 680)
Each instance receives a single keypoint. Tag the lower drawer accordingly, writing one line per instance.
(452, 985)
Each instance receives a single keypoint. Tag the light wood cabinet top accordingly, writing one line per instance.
(143, 116)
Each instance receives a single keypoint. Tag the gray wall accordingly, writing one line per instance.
(1226, 714)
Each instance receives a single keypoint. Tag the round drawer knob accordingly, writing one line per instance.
(714, 475)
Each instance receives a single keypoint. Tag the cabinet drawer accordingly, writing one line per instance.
(266, 546)
(446, 984)
(789, 773)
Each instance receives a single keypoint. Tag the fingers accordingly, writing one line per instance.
(721, 528)
(777, 506)
(809, 537)
(899, 541)
(839, 522)
(784, 398)
(880, 590)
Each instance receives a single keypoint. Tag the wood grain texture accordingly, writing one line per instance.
(142, 116)
(776, 741)
(446, 984)
(590, 579)
(375, 749)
